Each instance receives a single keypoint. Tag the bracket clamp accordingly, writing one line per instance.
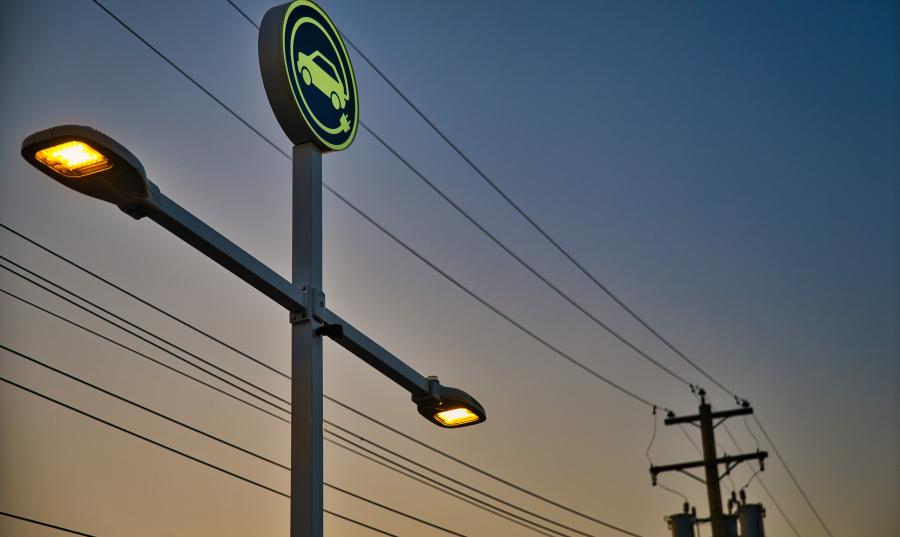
(315, 300)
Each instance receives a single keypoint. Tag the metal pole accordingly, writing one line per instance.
(711, 466)
(306, 347)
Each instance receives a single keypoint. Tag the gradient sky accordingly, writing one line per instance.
(729, 169)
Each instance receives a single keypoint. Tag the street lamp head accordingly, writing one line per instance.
(449, 407)
(92, 163)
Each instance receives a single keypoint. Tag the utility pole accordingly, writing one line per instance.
(706, 420)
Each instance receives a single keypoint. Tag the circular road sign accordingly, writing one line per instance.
(308, 76)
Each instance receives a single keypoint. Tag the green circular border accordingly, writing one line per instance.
(291, 76)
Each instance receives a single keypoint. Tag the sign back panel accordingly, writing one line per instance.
(308, 76)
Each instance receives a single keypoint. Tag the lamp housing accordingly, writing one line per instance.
(448, 407)
(92, 163)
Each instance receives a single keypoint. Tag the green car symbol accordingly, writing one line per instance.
(315, 69)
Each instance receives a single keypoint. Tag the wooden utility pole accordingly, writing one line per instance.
(706, 420)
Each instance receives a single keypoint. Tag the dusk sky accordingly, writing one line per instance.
(730, 170)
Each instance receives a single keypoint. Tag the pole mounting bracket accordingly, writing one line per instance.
(315, 305)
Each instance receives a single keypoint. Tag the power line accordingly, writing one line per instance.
(336, 401)
(479, 470)
(151, 334)
(141, 300)
(142, 355)
(145, 340)
(285, 154)
(690, 438)
(791, 475)
(221, 469)
(330, 189)
(392, 510)
(209, 435)
(497, 311)
(147, 439)
(474, 222)
(146, 408)
(434, 484)
(524, 263)
(650, 460)
(45, 524)
(528, 218)
(237, 447)
(509, 200)
(567, 255)
(358, 523)
(493, 238)
(755, 475)
(762, 483)
(451, 479)
(243, 14)
(372, 221)
(168, 418)
(184, 74)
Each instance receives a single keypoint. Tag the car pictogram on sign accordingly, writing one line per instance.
(316, 70)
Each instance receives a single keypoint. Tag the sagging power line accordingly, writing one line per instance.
(468, 498)
(343, 405)
(580, 266)
(223, 470)
(768, 439)
(594, 279)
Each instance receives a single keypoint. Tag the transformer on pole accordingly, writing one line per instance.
(731, 525)
(682, 524)
(751, 518)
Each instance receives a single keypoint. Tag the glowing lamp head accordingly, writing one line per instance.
(92, 163)
(449, 407)
(73, 159)
(456, 417)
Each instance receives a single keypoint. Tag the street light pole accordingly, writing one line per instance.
(306, 345)
(296, 39)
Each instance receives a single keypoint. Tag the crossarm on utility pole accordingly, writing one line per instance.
(725, 414)
(345, 335)
(728, 460)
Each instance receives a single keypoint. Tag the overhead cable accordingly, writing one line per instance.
(45, 524)
(149, 342)
(331, 190)
(55, 315)
(143, 355)
(220, 469)
(422, 478)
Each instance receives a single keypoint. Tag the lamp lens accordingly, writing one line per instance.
(73, 159)
(456, 416)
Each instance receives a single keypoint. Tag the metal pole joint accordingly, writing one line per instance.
(315, 300)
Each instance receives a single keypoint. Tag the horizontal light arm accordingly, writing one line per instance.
(345, 335)
(210, 242)
(190, 229)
